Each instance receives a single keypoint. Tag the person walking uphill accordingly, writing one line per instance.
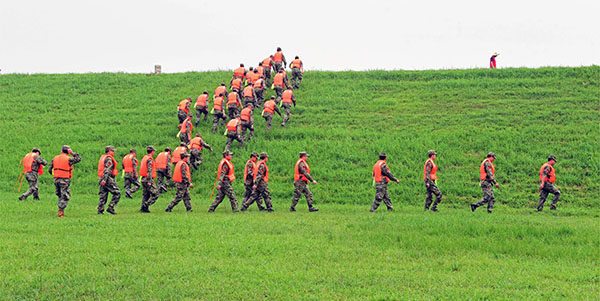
(249, 172)
(218, 113)
(249, 96)
(301, 178)
(225, 176)
(202, 106)
(150, 190)
(487, 174)
(279, 62)
(33, 165)
(234, 129)
(287, 99)
(163, 169)
(297, 70)
(269, 109)
(259, 89)
(183, 183)
(107, 171)
(183, 109)
(280, 83)
(247, 118)
(547, 178)
(130, 165)
(382, 175)
(261, 185)
(61, 168)
(196, 146)
(233, 104)
(185, 130)
(430, 177)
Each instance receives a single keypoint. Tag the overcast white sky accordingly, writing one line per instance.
(61, 36)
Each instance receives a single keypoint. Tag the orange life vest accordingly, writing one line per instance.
(231, 174)
(269, 106)
(266, 177)
(377, 172)
(248, 91)
(236, 83)
(202, 100)
(162, 160)
(115, 172)
(551, 176)
(258, 84)
(239, 72)
(184, 125)
(251, 77)
(433, 175)
(218, 103)
(177, 176)
(261, 70)
(28, 162)
(278, 57)
(220, 90)
(144, 167)
(482, 173)
(233, 124)
(128, 162)
(278, 80)
(61, 167)
(245, 114)
(297, 175)
(196, 143)
(266, 63)
(177, 154)
(183, 106)
(286, 96)
(297, 63)
(232, 98)
(246, 169)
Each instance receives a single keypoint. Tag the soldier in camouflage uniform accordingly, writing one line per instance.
(225, 175)
(218, 113)
(297, 68)
(381, 175)
(131, 176)
(247, 118)
(196, 146)
(107, 170)
(430, 177)
(269, 109)
(259, 89)
(287, 99)
(185, 130)
(249, 96)
(261, 185)
(150, 190)
(234, 128)
(33, 162)
(547, 178)
(487, 176)
(61, 168)
(279, 62)
(183, 183)
(301, 179)
(249, 180)
(202, 106)
(183, 110)
(163, 172)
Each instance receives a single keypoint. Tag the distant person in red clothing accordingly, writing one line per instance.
(493, 60)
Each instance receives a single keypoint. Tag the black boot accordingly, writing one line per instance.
(311, 209)
(473, 207)
(111, 210)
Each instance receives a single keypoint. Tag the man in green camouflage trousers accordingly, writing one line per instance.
(382, 174)
(261, 185)
(150, 190)
(487, 176)
(429, 177)
(183, 187)
(547, 178)
(63, 183)
(224, 187)
(301, 178)
(131, 178)
(108, 184)
(32, 176)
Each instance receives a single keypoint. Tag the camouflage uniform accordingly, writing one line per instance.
(261, 191)
(279, 66)
(548, 188)
(163, 176)
(62, 185)
(196, 155)
(218, 115)
(381, 193)
(296, 77)
(109, 186)
(248, 183)
(260, 94)
(226, 190)
(234, 135)
(32, 178)
(181, 114)
(185, 137)
(201, 110)
(248, 126)
(183, 191)
(431, 189)
(269, 117)
(488, 190)
(233, 110)
(131, 178)
(301, 187)
(287, 108)
(150, 191)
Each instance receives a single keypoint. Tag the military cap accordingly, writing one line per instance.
(431, 153)
(551, 157)
(227, 153)
(382, 154)
(272, 97)
(182, 144)
(109, 148)
(150, 148)
(205, 92)
(65, 148)
(132, 150)
(184, 154)
(36, 150)
(263, 155)
(491, 154)
(167, 149)
(304, 154)
(254, 154)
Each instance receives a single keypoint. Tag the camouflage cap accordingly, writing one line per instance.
(431, 153)
(132, 150)
(382, 154)
(36, 150)
(65, 148)
(272, 97)
(227, 153)
(184, 155)
(150, 148)
(491, 154)
(109, 148)
(167, 149)
(254, 154)
(304, 154)
(263, 155)
(551, 157)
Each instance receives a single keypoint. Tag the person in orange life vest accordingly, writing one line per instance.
(183, 109)
(261, 185)
(150, 190)
(221, 90)
(255, 75)
(107, 171)
(233, 104)
(225, 176)
(260, 69)
(487, 175)
(297, 70)
(61, 168)
(240, 72)
(202, 106)
(236, 83)
(249, 171)
(248, 95)
(430, 177)
(185, 130)
(547, 178)
(267, 64)
(382, 175)
(33, 165)
(183, 183)
(301, 178)
(287, 99)
(251, 76)
(493, 60)
(130, 164)
(163, 169)
(259, 90)
(196, 145)
(269, 109)
(280, 83)
(279, 62)
(182, 148)
(218, 113)
(234, 129)
(247, 119)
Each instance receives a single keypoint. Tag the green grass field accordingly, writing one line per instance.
(344, 119)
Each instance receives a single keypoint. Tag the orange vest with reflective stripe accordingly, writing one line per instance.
(202, 100)
(115, 172)
(177, 154)
(261, 70)
(297, 63)
(377, 172)
(128, 163)
(266, 63)
(218, 103)
(220, 90)
(184, 125)
(183, 106)
(286, 96)
(297, 175)
(482, 173)
(269, 106)
(232, 98)
(248, 91)
(162, 160)
(246, 169)
(236, 83)
(177, 176)
(28, 162)
(551, 176)
(251, 77)
(144, 167)
(239, 71)
(278, 79)
(245, 114)
(231, 174)
(433, 175)
(258, 84)
(61, 167)
(196, 143)
(233, 124)
(266, 177)
(278, 57)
